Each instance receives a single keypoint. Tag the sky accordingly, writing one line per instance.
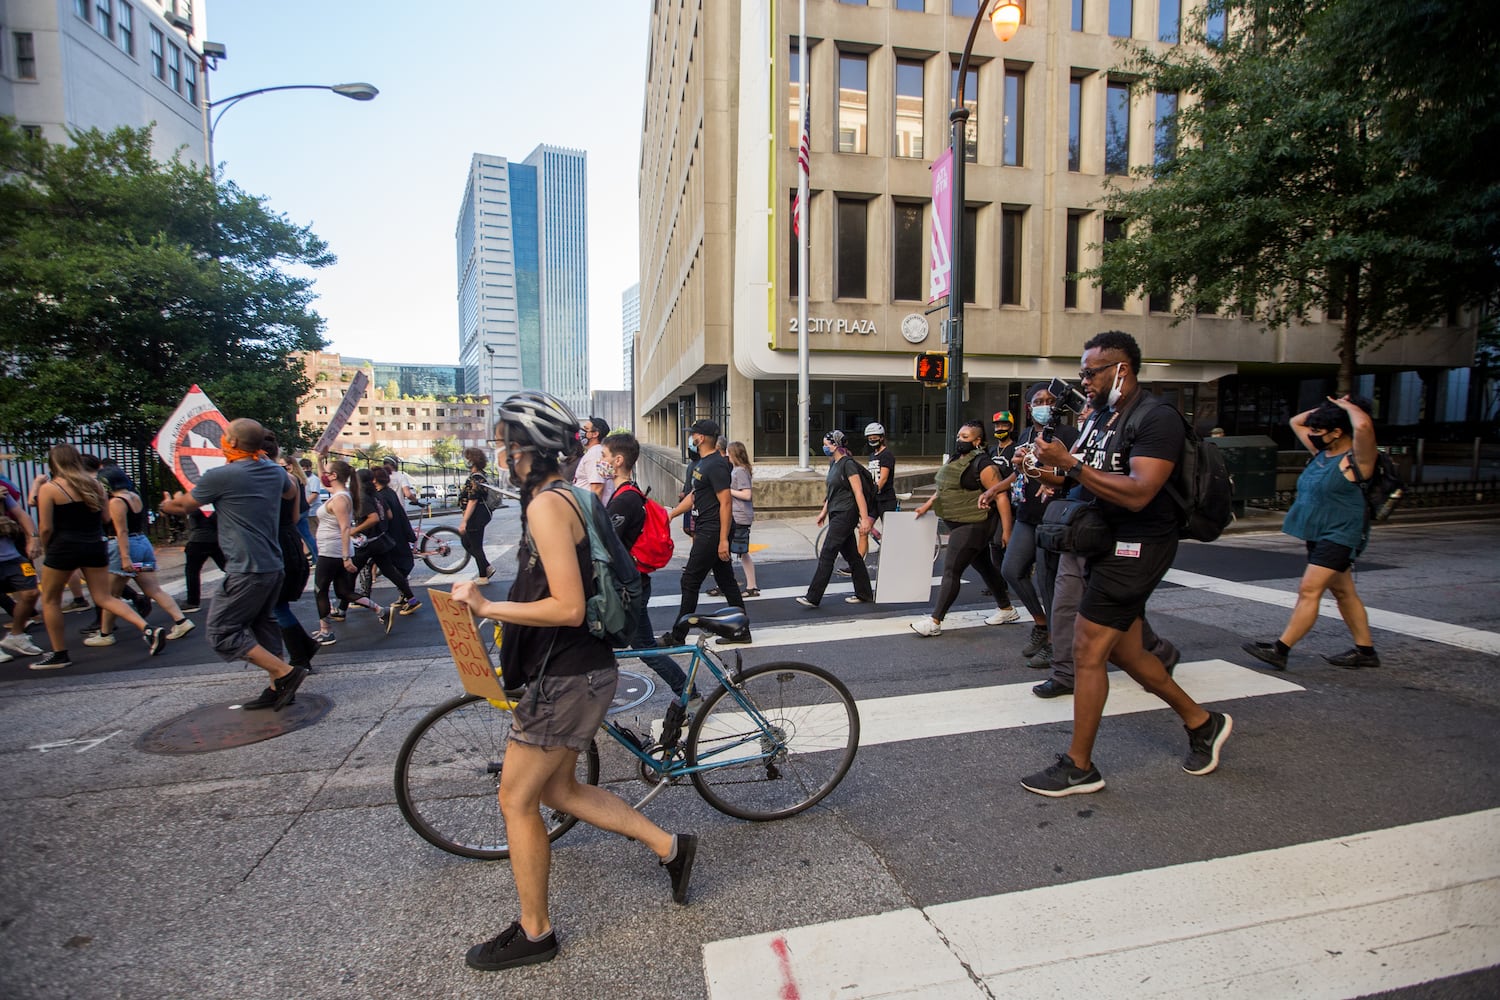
(381, 181)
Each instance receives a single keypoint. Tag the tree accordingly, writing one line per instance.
(445, 451)
(392, 389)
(373, 453)
(124, 281)
(1332, 154)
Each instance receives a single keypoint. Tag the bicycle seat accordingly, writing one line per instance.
(725, 622)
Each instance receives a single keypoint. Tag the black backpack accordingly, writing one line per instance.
(869, 484)
(1382, 490)
(1200, 485)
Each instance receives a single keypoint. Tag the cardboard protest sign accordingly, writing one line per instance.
(475, 670)
(189, 441)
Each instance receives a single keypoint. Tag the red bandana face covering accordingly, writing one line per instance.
(234, 454)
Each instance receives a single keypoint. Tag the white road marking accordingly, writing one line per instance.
(835, 589)
(1334, 918)
(81, 743)
(820, 630)
(1389, 621)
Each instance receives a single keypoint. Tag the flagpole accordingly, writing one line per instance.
(804, 391)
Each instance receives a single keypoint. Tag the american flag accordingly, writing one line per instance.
(804, 168)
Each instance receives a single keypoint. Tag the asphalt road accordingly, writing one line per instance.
(283, 868)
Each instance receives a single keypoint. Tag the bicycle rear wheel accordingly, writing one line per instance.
(774, 745)
(448, 779)
(443, 551)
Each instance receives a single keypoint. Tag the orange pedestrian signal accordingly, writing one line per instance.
(932, 368)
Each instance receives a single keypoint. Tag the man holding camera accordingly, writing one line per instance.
(1125, 474)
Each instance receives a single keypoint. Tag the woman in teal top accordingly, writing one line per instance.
(1330, 515)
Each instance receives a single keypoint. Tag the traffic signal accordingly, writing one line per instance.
(932, 368)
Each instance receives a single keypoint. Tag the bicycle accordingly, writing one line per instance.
(769, 742)
(441, 548)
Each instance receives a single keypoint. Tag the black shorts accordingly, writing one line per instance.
(1330, 555)
(67, 555)
(1119, 585)
(17, 576)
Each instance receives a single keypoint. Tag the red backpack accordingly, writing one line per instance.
(653, 549)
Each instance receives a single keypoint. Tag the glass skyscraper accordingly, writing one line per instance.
(522, 242)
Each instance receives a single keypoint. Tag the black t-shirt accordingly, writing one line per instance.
(840, 495)
(1026, 497)
(970, 479)
(627, 512)
(710, 478)
(1158, 433)
(400, 524)
(885, 497)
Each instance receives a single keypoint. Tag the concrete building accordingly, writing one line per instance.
(522, 241)
(630, 326)
(79, 64)
(1052, 122)
(612, 406)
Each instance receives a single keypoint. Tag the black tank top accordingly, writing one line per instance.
(135, 520)
(524, 648)
(76, 521)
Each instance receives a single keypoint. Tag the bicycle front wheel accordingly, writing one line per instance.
(775, 743)
(448, 779)
(443, 551)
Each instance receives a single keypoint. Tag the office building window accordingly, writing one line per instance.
(1159, 296)
(1215, 25)
(1168, 20)
(968, 268)
(853, 101)
(906, 242)
(174, 67)
(794, 96)
(1010, 256)
(1070, 260)
(916, 5)
(856, 3)
(1114, 228)
(84, 9)
(190, 81)
(965, 8)
(25, 55)
(106, 22)
(1075, 125)
(909, 108)
(158, 61)
(1013, 130)
(1120, 12)
(1166, 126)
(852, 248)
(127, 29)
(971, 101)
(1117, 128)
(1077, 15)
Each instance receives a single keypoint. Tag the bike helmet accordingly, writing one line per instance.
(875, 430)
(546, 420)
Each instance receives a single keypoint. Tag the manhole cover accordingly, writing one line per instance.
(634, 689)
(219, 727)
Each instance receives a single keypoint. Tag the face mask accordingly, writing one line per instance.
(1320, 441)
(1041, 414)
(1114, 390)
(1001, 433)
(963, 447)
(692, 445)
(325, 479)
(874, 445)
(827, 448)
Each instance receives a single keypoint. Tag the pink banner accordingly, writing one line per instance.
(942, 225)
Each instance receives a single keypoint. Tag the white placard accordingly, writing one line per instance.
(906, 546)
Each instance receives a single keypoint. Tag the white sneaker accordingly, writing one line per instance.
(102, 639)
(5, 657)
(181, 629)
(21, 645)
(805, 602)
(1003, 617)
(926, 627)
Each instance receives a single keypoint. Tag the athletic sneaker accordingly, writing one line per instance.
(181, 629)
(155, 639)
(189, 608)
(1034, 644)
(5, 657)
(1205, 742)
(73, 604)
(926, 627)
(843, 571)
(408, 607)
(52, 661)
(1003, 616)
(99, 639)
(387, 618)
(324, 637)
(336, 615)
(142, 605)
(805, 602)
(1266, 653)
(1064, 778)
(1352, 658)
(281, 693)
(856, 599)
(20, 645)
(1042, 659)
(511, 948)
(681, 865)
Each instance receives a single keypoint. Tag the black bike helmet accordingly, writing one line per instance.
(544, 418)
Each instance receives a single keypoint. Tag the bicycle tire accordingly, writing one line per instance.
(449, 556)
(817, 734)
(872, 556)
(448, 779)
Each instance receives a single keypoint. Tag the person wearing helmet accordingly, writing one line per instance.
(883, 470)
(569, 677)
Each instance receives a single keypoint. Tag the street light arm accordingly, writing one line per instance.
(353, 91)
(963, 62)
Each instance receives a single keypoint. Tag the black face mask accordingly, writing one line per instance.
(963, 447)
(1319, 441)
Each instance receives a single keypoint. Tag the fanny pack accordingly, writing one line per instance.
(1075, 526)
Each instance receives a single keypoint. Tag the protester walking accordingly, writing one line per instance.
(476, 511)
(300, 647)
(566, 678)
(712, 516)
(883, 470)
(335, 551)
(848, 512)
(19, 547)
(132, 557)
(742, 509)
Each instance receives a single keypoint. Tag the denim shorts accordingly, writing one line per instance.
(141, 553)
(564, 712)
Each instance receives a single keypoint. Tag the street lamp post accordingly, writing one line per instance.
(353, 91)
(1004, 20)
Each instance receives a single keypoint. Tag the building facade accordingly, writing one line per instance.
(80, 64)
(1051, 123)
(630, 326)
(522, 242)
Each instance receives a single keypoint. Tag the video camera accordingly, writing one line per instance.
(1065, 398)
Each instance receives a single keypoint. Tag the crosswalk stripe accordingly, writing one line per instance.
(1335, 918)
(1389, 621)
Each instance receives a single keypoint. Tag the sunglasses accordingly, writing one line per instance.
(1084, 374)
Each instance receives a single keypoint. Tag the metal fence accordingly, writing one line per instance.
(140, 462)
(1473, 493)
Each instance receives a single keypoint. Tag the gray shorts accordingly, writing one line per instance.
(240, 617)
(564, 712)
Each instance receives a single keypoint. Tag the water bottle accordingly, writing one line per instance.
(1389, 505)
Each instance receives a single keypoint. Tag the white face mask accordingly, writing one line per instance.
(1114, 390)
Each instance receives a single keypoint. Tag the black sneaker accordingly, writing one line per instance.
(1171, 660)
(670, 638)
(336, 615)
(189, 607)
(52, 661)
(409, 607)
(510, 948)
(1052, 688)
(1064, 778)
(156, 640)
(1266, 653)
(142, 605)
(681, 866)
(1043, 658)
(1353, 659)
(740, 638)
(1035, 643)
(387, 618)
(1205, 742)
(281, 693)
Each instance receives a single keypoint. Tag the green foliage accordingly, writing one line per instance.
(372, 453)
(445, 451)
(124, 281)
(1330, 151)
